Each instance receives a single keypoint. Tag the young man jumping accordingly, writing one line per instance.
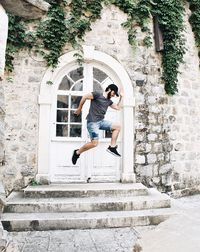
(100, 101)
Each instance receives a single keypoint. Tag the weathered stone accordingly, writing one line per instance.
(165, 169)
(27, 171)
(152, 99)
(140, 136)
(29, 9)
(21, 158)
(157, 147)
(140, 159)
(146, 170)
(178, 147)
(156, 180)
(151, 158)
(34, 79)
(152, 137)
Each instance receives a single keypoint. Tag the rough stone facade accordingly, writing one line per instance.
(21, 121)
(167, 137)
(184, 116)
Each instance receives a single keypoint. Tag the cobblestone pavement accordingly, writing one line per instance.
(93, 240)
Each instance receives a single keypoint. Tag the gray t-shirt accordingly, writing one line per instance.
(98, 107)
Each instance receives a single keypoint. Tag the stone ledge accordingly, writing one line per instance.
(28, 9)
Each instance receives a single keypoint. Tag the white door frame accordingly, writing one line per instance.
(46, 99)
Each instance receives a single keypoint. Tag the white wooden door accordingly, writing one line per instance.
(69, 132)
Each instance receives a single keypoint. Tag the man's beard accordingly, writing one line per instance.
(109, 95)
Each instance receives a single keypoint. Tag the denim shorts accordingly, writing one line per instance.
(94, 127)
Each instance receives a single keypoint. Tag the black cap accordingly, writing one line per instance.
(114, 88)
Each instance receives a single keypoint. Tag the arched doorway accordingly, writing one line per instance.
(60, 132)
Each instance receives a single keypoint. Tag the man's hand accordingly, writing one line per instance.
(121, 94)
(82, 101)
(77, 112)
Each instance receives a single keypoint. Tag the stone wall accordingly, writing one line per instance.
(167, 128)
(21, 92)
(167, 137)
(184, 117)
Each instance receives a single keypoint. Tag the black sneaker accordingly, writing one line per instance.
(113, 150)
(75, 157)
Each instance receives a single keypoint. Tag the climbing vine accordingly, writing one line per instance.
(68, 21)
(195, 20)
(52, 34)
(17, 39)
(170, 17)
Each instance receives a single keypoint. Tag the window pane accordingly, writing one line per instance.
(62, 101)
(61, 130)
(75, 100)
(78, 86)
(65, 84)
(99, 75)
(97, 86)
(62, 116)
(75, 130)
(75, 118)
(76, 74)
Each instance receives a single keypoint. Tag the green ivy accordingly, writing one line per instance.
(57, 30)
(52, 33)
(170, 17)
(195, 20)
(17, 39)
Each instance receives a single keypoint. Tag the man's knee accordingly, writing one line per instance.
(94, 143)
(116, 127)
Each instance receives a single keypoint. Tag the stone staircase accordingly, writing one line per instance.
(80, 206)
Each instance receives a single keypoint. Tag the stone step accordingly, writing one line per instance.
(18, 204)
(85, 190)
(77, 220)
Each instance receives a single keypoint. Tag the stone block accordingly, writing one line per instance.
(146, 171)
(34, 79)
(152, 137)
(167, 168)
(152, 99)
(154, 109)
(156, 180)
(157, 147)
(21, 158)
(140, 159)
(151, 158)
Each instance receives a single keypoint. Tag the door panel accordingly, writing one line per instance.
(62, 169)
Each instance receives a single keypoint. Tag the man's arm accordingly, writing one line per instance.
(118, 106)
(82, 101)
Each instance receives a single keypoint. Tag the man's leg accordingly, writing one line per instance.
(93, 130)
(113, 146)
(115, 133)
(84, 148)
(87, 146)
